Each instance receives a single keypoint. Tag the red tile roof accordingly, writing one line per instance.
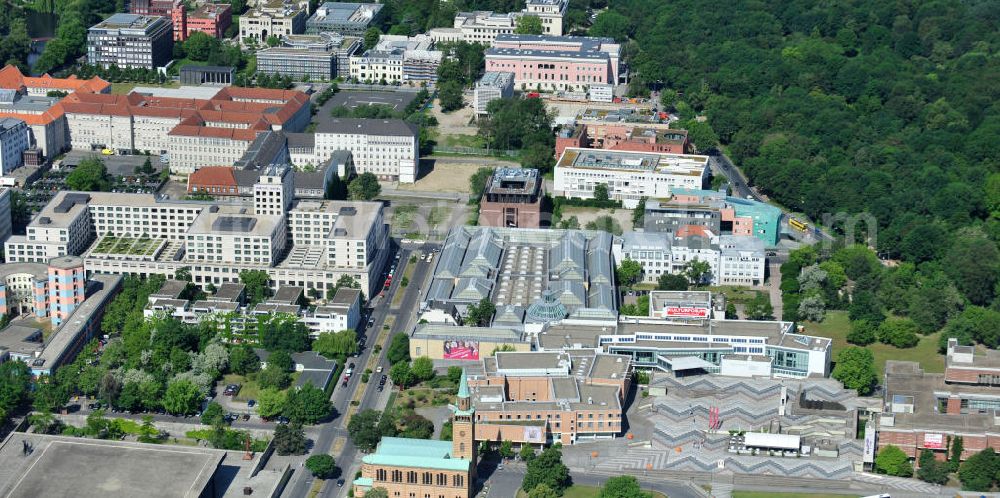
(12, 78)
(211, 176)
(258, 109)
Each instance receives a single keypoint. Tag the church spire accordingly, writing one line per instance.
(463, 386)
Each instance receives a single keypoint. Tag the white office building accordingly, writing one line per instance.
(629, 176)
(732, 259)
(388, 148)
(742, 260)
(131, 40)
(14, 140)
(484, 26)
(214, 241)
(398, 59)
(493, 85)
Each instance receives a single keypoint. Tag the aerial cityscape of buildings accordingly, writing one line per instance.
(359, 249)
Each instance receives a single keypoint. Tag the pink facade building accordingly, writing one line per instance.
(51, 291)
(551, 63)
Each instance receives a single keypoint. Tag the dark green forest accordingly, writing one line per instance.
(888, 108)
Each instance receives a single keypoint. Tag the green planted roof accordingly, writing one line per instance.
(419, 453)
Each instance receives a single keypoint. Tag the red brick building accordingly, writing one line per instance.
(152, 7)
(213, 19)
(927, 411)
(623, 136)
(512, 198)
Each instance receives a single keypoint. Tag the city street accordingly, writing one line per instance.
(403, 318)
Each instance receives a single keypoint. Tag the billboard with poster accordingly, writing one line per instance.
(685, 312)
(869, 454)
(933, 441)
(457, 349)
(533, 434)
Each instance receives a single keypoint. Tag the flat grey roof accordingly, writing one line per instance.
(228, 292)
(434, 331)
(357, 126)
(88, 468)
(287, 294)
(171, 289)
(533, 359)
(345, 297)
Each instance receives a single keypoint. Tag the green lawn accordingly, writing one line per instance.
(402, 216)
(580, 491)
(836, 326)
(473, 141)
(761, 494)
(249, 390)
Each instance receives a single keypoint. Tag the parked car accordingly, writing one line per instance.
(283, 420)
(340, 483)
(383, 379)
(378, 369)
(251, 403)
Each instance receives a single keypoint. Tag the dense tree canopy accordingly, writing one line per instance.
(844, 107)
(90, 176)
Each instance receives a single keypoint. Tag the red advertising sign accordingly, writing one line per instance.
(933, 441)
(461, 350)
(687, 312)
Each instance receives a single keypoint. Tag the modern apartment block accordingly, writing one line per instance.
(213, 19)
(716, 211)
(551, 63)
(6, 225)
(388, 148)
(484, 26)
(540, 398)
(318, 57)
(194, 132)
(310, 244)
(629, 176)
(398, 59)
(238, 321)
(344, 18)
(14, 140)
(512, 198)
(131, 41)
(628, 136)
(52, 290)
(492, 86)
(74, 305)
(275, 18)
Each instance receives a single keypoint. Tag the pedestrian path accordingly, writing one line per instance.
(722, 490)
(911, 485)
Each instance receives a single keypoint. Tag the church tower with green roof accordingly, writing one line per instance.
(463, 425)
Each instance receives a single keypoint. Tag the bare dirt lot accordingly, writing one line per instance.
(587, 214)
(451, 174)
(454, 123)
